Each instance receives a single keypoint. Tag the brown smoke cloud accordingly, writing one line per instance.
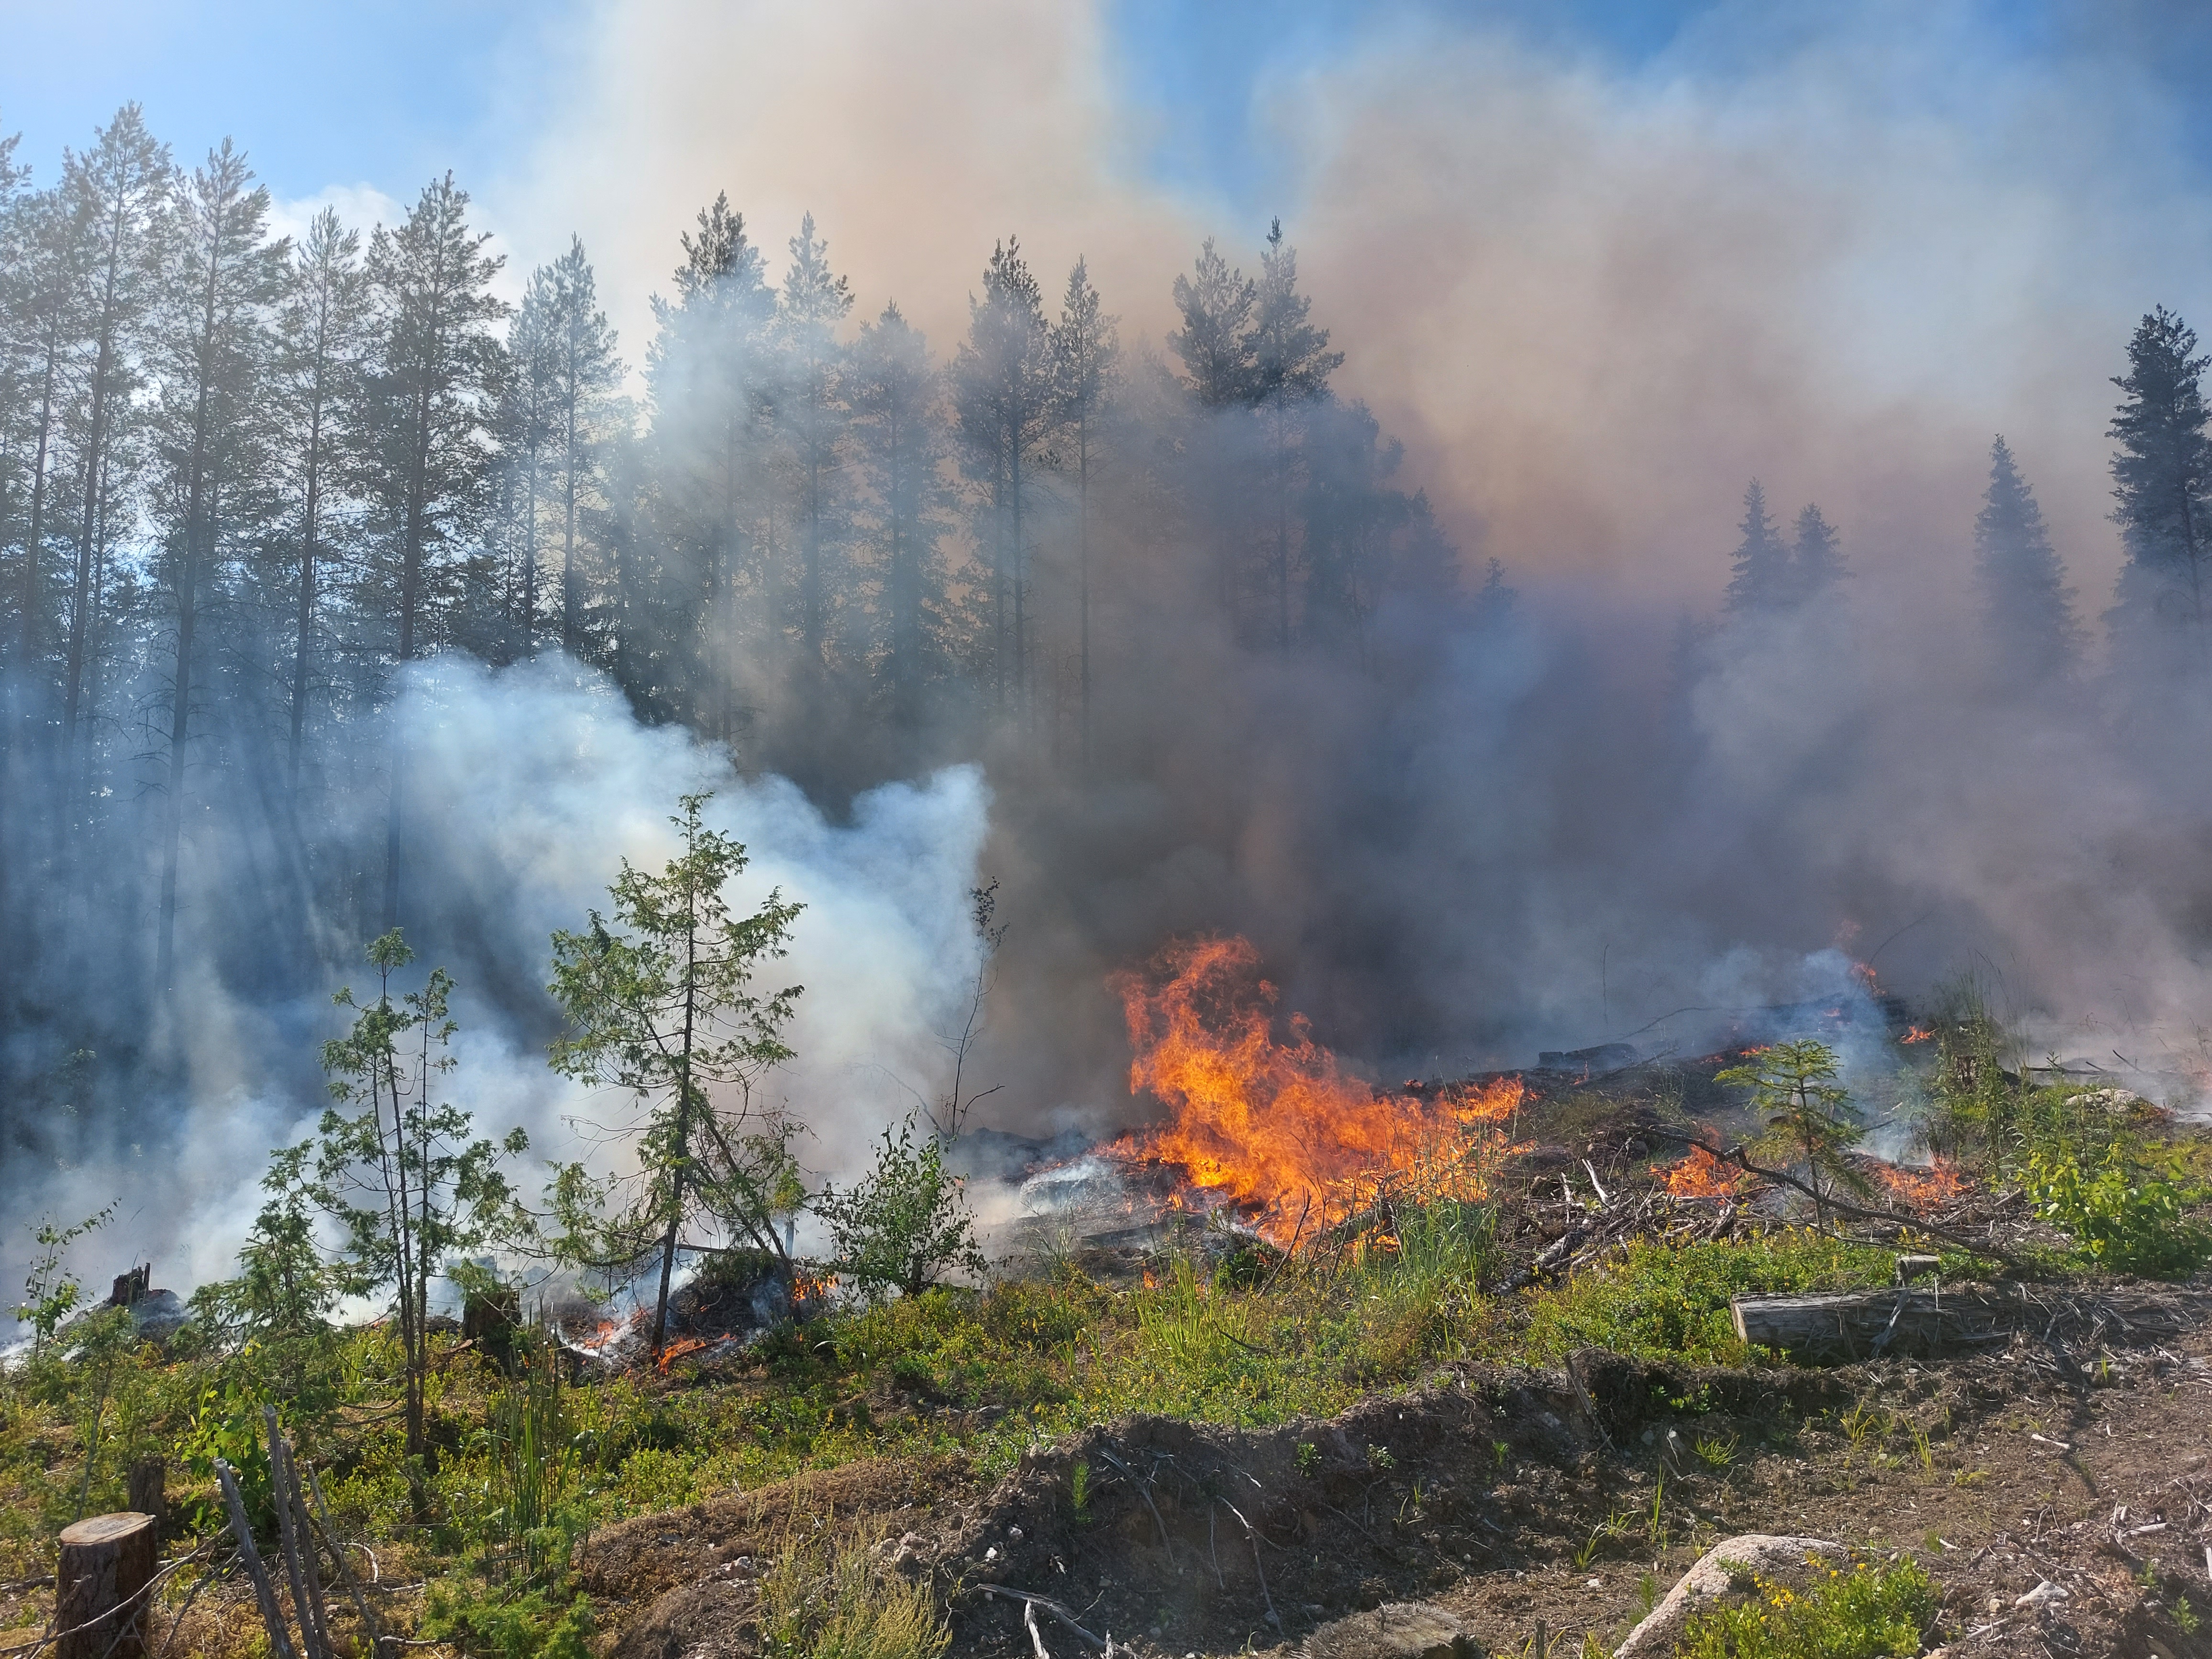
(1595, 301)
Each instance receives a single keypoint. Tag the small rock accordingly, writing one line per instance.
(2045, 1593)
(1013, 1534)
(1397, 1630)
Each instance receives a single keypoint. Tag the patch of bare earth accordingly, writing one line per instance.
(1504, 1498)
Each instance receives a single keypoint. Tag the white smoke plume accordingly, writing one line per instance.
(530, 786)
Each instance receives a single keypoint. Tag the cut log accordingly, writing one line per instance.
(1849, 1325)
(105, 1562)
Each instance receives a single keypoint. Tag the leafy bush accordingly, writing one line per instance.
(2121, 1215)
(1868, 1613)
(905, 1222)
(486, 1623)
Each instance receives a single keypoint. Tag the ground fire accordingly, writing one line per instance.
(1278, 1130)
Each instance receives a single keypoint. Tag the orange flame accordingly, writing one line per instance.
(1279, 1127)
(1917, 1034)
(1702, 1175)
(1939, 1183)
(676, 1350)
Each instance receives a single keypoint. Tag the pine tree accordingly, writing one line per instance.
(437, 372)
(1816, 559)
(1215, 341)
(321, 328)
(893, 393)
(1762, 581)
(2160, 479)
(809, 310)
(710, 387)
(1085, 355)
(1290, 365)
(216, 357)
(122, 192)
(2027, 610)
(50, 248)
(1003, 387)
(525, 425)
(584, 374)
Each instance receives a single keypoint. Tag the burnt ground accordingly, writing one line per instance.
(1507, 1497)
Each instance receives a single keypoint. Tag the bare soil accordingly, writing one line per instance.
(1508, 1496)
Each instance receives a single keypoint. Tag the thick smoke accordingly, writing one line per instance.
(530, 786)
(1593, 301)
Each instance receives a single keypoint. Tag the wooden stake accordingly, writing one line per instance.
(265, 1594)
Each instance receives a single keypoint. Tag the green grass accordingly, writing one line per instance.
(1662, 1301)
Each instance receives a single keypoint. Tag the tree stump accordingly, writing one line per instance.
(105, 1563)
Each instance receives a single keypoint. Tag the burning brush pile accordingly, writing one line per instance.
(1268, 1136)
(1277, 1137)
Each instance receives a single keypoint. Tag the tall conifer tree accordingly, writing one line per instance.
(2162, 477)
(1762, 580)
(811, 308)
(437, 372)
(2027, 610)
(1085, 355)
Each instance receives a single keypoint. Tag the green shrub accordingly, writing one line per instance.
(487, 1624)
(1868, 1613)
(2121, 1215)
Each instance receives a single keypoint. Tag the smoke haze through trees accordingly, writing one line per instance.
(336, 594)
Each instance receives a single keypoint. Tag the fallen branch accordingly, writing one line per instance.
(1050, 1606)
(1919, 1224)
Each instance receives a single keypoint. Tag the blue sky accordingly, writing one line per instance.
(387, 92)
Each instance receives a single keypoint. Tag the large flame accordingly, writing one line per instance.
(1278, 1128)
(1703, 1176)
(1939, 1183)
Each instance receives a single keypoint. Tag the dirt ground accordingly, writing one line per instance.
(1574, 1497)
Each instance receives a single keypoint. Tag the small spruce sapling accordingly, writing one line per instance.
(1808, 1117)
(661, 1003)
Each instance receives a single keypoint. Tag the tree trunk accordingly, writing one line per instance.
(104, 1561)
(1852, 1325)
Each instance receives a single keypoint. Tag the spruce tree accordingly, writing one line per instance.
(583, 372)
(1762, 580)
(524, 424)
(1816, 559)
(711, 391)
(2027, 610)
(2161, 480)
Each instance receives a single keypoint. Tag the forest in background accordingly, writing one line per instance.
(250, 484)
